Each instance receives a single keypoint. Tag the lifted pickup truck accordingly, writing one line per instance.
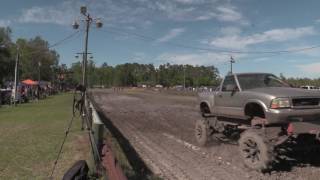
(262, 112)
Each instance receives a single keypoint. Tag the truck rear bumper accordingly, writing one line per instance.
(293, 115)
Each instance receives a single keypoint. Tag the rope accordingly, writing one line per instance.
(61, 147)
(79, 104)
(75, 101)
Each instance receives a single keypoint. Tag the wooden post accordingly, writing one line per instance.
(97, 127)
(97, 135)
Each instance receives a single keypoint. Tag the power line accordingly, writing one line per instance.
(64, 39)
(58, 43)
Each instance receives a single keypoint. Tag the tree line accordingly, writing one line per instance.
(298, 82)
(168, 75)
(34, 56)
(135, 74)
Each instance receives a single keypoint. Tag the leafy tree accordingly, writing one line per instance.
(7, 53)
(35, 56)
(297, 82)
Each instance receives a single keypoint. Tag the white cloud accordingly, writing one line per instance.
(190, 1)
(230, 30)
(195, 58)
(138, 12)
(313, 68)
(171, 34)
(224, 14)
(4, 23)
(263, 59)
(62, 14)
(207, 16)
(228, 13)
(275, 35)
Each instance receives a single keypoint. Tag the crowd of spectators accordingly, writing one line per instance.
(25, 92)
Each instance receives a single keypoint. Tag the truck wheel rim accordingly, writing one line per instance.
(251, 151)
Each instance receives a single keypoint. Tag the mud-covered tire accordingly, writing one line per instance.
(202, 132)
(255, 150)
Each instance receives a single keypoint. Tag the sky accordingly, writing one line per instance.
(262, 36)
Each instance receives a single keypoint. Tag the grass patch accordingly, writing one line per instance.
(30, 137)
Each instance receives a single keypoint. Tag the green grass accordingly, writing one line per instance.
(30, 136)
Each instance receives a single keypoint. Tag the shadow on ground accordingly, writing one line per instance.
(303, 152)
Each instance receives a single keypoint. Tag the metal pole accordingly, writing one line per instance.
(231, 62)
(85, 112)
(39, 65)
(82, 66)
(53, 76)
(184, 78)
(84, 77)
(16, 77)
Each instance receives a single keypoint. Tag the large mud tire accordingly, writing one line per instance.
(202, 132)
(255, 150)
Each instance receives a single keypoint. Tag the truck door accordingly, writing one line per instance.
(228, 99)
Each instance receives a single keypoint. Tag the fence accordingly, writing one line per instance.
(105, 162)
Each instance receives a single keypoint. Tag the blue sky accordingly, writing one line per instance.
(198, 32)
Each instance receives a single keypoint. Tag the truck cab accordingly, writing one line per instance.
(248, 95)
(260, 111)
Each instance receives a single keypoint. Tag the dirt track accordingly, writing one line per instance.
(160, 128)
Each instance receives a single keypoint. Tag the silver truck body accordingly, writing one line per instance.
(244, 103)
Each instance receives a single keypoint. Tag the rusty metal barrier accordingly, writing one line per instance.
(102, 151)
(110, 164)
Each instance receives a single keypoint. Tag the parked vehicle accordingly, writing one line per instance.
(158, 86)
(5, 96)
(262, 112)
(310, 87)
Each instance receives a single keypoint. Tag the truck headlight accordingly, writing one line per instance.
(280, 103)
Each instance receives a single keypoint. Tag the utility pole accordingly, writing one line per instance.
(88, 20)
(184, 78)
(231, 62)
(85, 55)
(84, 66)
(39, 72)
(53, 75)
(16, 76)
(82, 54)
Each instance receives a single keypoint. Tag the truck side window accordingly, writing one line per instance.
(229, 82)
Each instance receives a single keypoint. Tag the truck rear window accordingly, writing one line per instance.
(251, 81)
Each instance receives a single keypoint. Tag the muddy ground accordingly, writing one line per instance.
(160, 127)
